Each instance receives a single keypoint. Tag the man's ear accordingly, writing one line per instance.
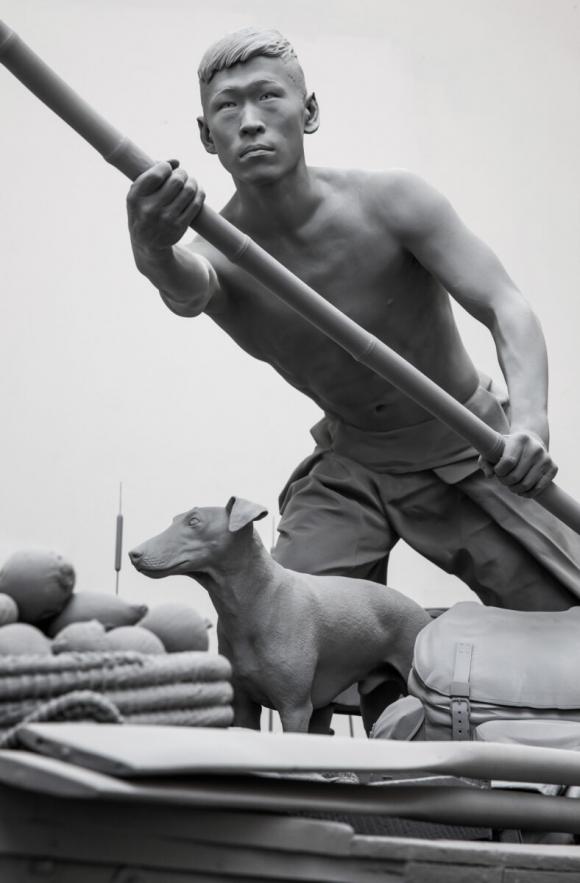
(312, 117)
(205, 135)
(242, 512)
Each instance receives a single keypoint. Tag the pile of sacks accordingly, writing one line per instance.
(93, 656)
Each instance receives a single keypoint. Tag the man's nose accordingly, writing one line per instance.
(251, 123)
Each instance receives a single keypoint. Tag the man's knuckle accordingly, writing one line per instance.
(526, 484)
(160, 172)
(505, 466)
(510, 477)
(532, 494)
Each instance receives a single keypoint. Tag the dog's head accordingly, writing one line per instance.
(197, 539)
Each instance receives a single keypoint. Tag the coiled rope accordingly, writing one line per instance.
(179, 689)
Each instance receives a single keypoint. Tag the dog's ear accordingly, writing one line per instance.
(242, 512)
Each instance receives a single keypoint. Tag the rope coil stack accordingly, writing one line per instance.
(177, 689)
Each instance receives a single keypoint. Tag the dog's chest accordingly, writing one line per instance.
(261, 669)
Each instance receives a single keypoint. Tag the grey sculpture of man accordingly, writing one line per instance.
(387, 250)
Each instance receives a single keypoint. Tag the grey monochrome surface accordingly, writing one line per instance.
(136, 751)
(88, 840)
(422, 49)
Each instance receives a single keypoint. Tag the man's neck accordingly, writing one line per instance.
(281, 207)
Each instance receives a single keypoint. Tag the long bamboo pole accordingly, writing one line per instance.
(367, 349)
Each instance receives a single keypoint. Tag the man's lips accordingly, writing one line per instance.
(255, 148)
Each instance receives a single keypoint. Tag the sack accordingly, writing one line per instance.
(475, 664)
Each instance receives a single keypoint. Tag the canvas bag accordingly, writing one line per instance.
(475, 664)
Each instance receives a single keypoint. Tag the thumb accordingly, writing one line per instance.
(485, 467)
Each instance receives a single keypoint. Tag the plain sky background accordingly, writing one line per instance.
(100, 383)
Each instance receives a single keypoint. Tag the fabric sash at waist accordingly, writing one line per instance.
(426, 445)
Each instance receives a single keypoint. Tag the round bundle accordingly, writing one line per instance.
(179, 689)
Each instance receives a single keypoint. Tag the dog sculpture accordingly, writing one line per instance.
(295, 641)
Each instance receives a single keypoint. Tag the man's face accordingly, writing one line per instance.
(255, 115)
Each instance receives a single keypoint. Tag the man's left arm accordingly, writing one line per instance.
(428, 226)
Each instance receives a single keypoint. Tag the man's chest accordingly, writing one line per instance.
(364, 273)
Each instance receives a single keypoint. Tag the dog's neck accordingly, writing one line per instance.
(240, 577)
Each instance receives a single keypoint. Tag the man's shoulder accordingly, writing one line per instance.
(398, 180)
(398, 196)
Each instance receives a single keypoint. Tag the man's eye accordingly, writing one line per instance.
(225, 104)
(267, 95)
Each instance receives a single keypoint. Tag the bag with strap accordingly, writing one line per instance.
(476, 664)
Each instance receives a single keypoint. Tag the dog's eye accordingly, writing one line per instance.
(193, 521)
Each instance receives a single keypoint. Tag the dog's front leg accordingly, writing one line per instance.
(247, 712)
(296, 718)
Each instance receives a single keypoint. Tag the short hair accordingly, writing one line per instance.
(244, 44)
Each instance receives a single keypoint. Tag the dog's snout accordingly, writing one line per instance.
(135, 555)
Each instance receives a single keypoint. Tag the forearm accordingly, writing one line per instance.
(184, 280)
(161, 205)
(521, 351)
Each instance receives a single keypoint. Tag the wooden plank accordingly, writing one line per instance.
(22, 870)
(451, 862)
(240, 845)
(35, 772)
(134, 751)
(59, 779)
(427, 803)
(51, 838)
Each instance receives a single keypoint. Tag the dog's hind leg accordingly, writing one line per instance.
(296, 718)
(321, 720)
(374, 702)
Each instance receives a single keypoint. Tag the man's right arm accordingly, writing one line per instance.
(161, 204)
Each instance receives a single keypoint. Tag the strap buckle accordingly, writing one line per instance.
(459, 693)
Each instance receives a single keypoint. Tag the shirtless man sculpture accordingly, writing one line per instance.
(387, 250)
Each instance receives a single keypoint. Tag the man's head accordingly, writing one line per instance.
(255, 105)
(240, 46)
